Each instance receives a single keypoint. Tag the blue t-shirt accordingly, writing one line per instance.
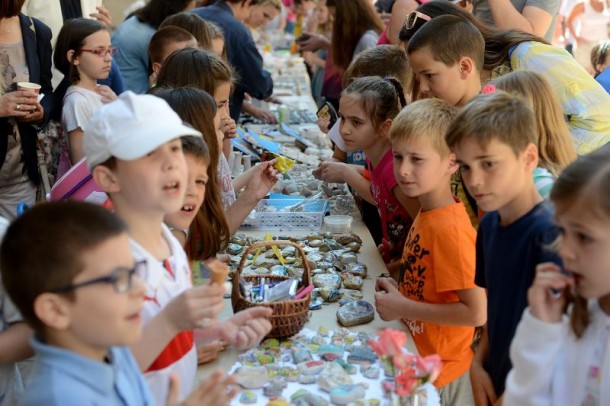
(506, 265)
(604, 79)
(64, 378)
(242, 55)
(131, 41)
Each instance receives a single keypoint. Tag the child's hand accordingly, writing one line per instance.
(389, 302)
(482, 388)
(102, 15)
(208, 352)
(331, 172)
(262, 179)
(544, 304)
(228, 127)
(196, 308)
(324, 124)
(218, 389)
(107, 94)
(247, 328)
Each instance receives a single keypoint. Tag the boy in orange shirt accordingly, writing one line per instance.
(436, 295)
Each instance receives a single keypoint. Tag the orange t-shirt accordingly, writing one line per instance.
(439, 259)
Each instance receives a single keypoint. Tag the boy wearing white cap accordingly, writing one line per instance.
(134, 152)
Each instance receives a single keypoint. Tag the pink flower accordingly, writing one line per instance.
(403, 361)
(429, 368)
(406, 384)
(390, 343)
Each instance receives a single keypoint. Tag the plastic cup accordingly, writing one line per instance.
(29, 86)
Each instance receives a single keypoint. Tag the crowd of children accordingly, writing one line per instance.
(482, 153)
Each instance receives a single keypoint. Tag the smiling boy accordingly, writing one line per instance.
(494, 140)
(435, 295)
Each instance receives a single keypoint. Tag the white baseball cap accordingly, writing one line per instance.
(131, 127)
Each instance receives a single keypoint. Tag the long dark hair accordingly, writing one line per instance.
(156, 11)
(352, 19)
(209, 232)
(497, 43)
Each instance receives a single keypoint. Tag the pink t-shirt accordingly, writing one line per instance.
(395, 220)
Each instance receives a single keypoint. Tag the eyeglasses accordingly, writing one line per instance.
(121, 279)
(101, 52)
(413, 17)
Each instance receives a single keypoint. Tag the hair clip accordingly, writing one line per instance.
(488, 89)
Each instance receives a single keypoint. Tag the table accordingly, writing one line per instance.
(326, 316)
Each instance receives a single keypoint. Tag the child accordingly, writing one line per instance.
(197, 107)
(555, 147)
(367, 107)
(83, 53)
(14, 343)
(494, 139)
(436, 295)
(446, 56)
(135, 155)
(555, 360)
(69, 270)
(163, 43)
(194, 67)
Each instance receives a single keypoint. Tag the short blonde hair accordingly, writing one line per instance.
(495, 116)
(427, 119)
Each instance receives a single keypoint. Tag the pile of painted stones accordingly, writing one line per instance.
(336, 273)
(338, 367)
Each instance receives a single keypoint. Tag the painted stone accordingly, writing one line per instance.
(333, 349)
(370, 372)
(300, 355)
(270, 343)
(318, 340)
(303, 397)
(362, 356)
(323, 331)
(356, 268)
(278, 402)
(348, 258)
(234, 249)
(330, 294)
(329, 357)
(345, 394)
(251, 377)
(274, 388)
(351, 281)
(247, 397)
(311, 367)
(349, 368)
(307, 379)
(326, 280)
(333, 376)
(355, 313)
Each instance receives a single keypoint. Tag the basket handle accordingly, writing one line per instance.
(306, 279)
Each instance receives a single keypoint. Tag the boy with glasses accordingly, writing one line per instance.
(69, 269)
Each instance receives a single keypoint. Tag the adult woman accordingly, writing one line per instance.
(585, 103)
(132, 37)
(356, 27)
(263, 13)
(25, 56)
(594, 17)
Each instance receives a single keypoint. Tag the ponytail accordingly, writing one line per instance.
(381, 99)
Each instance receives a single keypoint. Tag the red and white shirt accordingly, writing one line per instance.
(164, 281)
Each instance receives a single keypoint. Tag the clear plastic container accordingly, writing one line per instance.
(338, 223)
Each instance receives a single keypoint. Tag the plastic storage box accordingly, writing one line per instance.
(268, 215)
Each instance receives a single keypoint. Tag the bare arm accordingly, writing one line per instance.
(400, 11)
(411, 204)
(468, 311)
(482, 387)
(15, 344)
(577, 11)
(75, 138)
(532, 19)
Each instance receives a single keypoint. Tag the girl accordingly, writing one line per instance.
(555, 147)
(600, 57)
(192, 23)
(200, 225)
(84, 55)
(194, 67)
(367, 107)
(584, 102)
(555, 360)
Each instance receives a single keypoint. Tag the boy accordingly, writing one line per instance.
(14, 346)
(446, 56)
(436, 295)
(163, 43)
(134, 152)
(69, 269)
(494, 139)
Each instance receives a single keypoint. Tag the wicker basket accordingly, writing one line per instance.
(289, 316)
